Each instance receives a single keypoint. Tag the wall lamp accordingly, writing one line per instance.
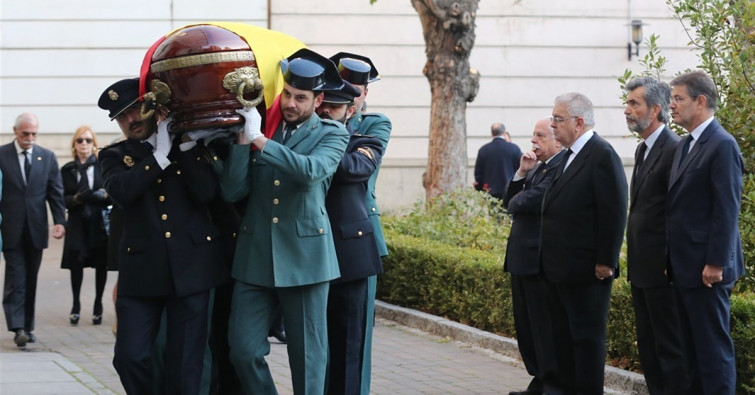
(636, 25)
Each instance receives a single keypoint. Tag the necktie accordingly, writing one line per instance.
(288, 131)
(27, 164)
(685, 148)
(562, 167)
(641, 156)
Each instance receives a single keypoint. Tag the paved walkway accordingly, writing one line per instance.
(78, 359)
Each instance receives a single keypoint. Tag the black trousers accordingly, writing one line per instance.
(580, 314)
(20, 287)
(534, 330)
(346, 308)
(660, 340)
(138, 325)
(224, 380)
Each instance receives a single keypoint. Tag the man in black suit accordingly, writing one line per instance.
(523, 199)
(496, 163)
(354, 239)
(31, 177)
(659, 333)
(169, 249)
(704, 246)
(583, 217)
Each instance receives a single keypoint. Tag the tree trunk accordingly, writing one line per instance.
(449, 30)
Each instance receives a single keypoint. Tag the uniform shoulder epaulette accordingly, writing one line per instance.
(331, 122)
(373, 114)
(111, 145)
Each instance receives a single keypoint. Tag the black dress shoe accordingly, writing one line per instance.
(279, 335)
(32, 337)
(21, 338)
(96, 320)
(74, 318)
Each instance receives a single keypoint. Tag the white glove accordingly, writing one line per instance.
(253, 122)
(163, 141)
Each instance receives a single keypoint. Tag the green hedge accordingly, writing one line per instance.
(468, 285)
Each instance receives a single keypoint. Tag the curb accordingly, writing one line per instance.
(618, 380)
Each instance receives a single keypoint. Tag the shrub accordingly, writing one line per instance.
(446, 259)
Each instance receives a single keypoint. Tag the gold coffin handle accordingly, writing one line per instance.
(244, 80)
(159, 94)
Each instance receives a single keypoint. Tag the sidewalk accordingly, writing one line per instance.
(78, 359)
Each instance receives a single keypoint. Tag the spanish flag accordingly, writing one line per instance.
(269, 48)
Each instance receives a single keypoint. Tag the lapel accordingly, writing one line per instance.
(12, 156)
(639, 176)
(278, 134)
(574, 167)
(678, 168)
(303, 131)
(542, 169)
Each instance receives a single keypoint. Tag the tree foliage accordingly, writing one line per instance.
(724, 33)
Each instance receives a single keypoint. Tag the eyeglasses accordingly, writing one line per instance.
(80, 140)
(560, 119)
(678, 99)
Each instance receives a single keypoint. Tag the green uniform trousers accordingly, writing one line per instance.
(305, 314)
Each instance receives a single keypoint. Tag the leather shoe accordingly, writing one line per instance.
(74, 318)
(21, 338)
(97, 320)
(278, 335)
(32, 337)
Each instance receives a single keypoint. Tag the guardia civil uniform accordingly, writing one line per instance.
(285, 255)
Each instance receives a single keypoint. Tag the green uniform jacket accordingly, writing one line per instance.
(377, 125)
(285, 238)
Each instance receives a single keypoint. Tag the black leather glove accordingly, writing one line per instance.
(84, 195)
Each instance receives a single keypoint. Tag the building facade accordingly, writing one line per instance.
(57, 57)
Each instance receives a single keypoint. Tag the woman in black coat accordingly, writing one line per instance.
(86, 237)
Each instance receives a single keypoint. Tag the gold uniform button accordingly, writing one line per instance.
(178, 172)
(275, 220)
(209, 238)
(275, 201)
(320, 231)
(359, 233)
(159, 180)
(161, 198)
(146, 168)
(167, 235)
(128, 249)
(276, 182)
(234, 233)
(198, 159)
(215, 157)
(254, 160)
(164, 217)
(374, 209)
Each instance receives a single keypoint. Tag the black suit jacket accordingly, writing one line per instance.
(523, 199)
(647, 255)
(169, 245)
(26, 203)
(583, 215)
(85, 230)
(704, 198)
(495, 166)
(353, 232)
